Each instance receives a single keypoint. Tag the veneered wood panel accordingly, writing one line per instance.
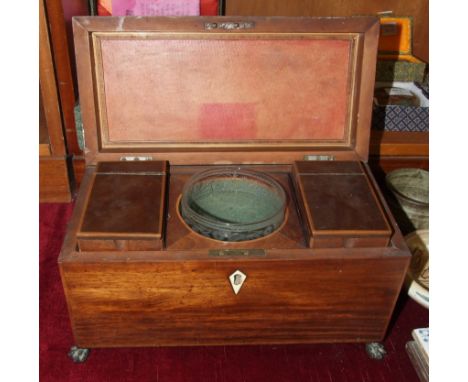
(387, 164)
(79, 167)
(43, 133)
(192, 302)
(73, 8)
(44, 149)
(54, 186)
(63, 71)
(340, 205)
(418, 9)
(48, 88)
(395, 143)
(181, 295)
(125, 209)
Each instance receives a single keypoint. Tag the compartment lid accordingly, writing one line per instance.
(396, 35)
(201, 90)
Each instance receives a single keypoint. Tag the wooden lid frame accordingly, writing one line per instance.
(362, 32)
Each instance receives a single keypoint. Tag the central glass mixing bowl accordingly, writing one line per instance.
(233, 204)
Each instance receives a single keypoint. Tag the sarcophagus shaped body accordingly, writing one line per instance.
(227, 198)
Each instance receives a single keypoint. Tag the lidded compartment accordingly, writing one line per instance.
(125, 207)
(340, 205)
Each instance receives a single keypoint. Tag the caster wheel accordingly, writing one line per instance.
(376, 350)
(78, 355)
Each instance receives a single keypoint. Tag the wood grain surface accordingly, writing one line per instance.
(48, 88)
(192, 302)
(340, 205)
(395, 143)
(53, 180)
(63, 71)
(183, 296)
(125, 208)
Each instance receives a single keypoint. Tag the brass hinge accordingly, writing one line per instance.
(130, 158)
(230, 25)
(319, 157)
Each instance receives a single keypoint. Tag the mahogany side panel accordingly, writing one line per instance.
(174, 302)
(180, 294)
(183, 297)
(395, 143)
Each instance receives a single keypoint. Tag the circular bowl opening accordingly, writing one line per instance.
(232, 204)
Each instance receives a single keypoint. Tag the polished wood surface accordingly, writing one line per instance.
(340, 205)
(125, 208)
(63, 71)
(44, 147)
(54, 180)
(183, 297)
(54, 186)
(79, 168)
(72, 9)
(390, 163)
(48, 88)
(418, 9)
(393, 143)
(191, 302)
(181, 294)
(57, 100)
(43, 134)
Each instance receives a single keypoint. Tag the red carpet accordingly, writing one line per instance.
(217, 364)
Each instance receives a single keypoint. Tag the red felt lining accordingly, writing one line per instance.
(162, 90)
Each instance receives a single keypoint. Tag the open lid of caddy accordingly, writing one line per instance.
(196, 90)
